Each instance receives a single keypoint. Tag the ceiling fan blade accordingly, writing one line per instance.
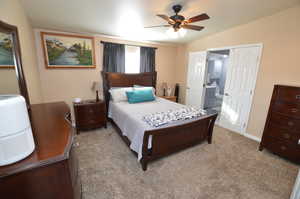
(165, 17)
(201, 17)
(192, 27)
(157, 26)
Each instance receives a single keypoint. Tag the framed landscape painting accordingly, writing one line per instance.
(6, 51)
(68, 51)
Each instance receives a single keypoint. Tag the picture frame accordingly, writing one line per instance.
(68, 50)
(6, 51)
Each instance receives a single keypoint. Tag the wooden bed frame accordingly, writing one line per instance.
(164, 140)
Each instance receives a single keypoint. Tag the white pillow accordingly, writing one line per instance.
(137, 87)
(119, 94)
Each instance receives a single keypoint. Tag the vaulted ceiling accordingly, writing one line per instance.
(126, 18)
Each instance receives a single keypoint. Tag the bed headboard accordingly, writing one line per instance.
(125, 80)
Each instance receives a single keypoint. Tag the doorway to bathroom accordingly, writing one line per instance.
(215, 79)
(224, 80)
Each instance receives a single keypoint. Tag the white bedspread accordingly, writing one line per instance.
(129, 119)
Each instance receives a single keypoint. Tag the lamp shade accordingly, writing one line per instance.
(96, 86)
(164, 85)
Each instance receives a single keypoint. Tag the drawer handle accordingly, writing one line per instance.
(286, 136)
(283, 148)
(290, 123)
(298, 97)
(294, 110)
(299, 141)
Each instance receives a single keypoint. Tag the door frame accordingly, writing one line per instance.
(236, 46)
(260, 45)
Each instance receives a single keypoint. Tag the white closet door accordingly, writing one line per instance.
(239, 87)
(195, 79)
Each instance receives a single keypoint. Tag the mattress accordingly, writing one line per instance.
(128, 117)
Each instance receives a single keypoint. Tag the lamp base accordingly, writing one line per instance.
(97, 96)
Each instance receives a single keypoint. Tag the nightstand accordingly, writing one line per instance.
(171, 98)
(89, 114)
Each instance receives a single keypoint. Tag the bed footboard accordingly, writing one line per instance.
(171, 139)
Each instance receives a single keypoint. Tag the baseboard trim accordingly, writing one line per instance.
(252, 137)
(247, 135)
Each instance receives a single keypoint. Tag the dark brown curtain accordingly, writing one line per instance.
(113, 57)
(147, 59)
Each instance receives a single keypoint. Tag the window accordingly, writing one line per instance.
(132, 59)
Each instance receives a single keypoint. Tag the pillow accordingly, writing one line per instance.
(139, 87)
(119, 94)
(136, 96)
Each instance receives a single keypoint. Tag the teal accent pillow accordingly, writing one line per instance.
(137, 96)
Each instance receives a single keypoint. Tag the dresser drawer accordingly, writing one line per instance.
(288, 94)
(77, 190)
(73, 164)
(282, 134)
(284, 149)
(290, 109)
(285, 122)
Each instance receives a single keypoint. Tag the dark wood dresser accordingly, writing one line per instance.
(89, 114)
(51, 171)
(282, 129)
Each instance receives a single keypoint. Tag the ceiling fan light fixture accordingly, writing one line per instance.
(178, 23)
(182, 32)
(175, 34)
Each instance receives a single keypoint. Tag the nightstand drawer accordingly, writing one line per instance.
(91, 120)
(90, 110)
(92, 125)
(91, 116)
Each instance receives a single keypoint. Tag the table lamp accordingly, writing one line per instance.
(96, 87)
(164, 87)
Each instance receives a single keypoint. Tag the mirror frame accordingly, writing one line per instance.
(13, 30)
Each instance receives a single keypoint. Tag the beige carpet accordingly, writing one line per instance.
(230, 168)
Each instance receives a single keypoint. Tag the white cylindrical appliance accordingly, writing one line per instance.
(16, 140)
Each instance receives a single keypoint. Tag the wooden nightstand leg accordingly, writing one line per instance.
(105, 125)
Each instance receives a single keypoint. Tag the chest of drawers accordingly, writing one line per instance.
(51, 171)
(282, 129)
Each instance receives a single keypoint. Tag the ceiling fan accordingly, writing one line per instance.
(178, 21)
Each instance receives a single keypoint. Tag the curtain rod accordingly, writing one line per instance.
(127, 44)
